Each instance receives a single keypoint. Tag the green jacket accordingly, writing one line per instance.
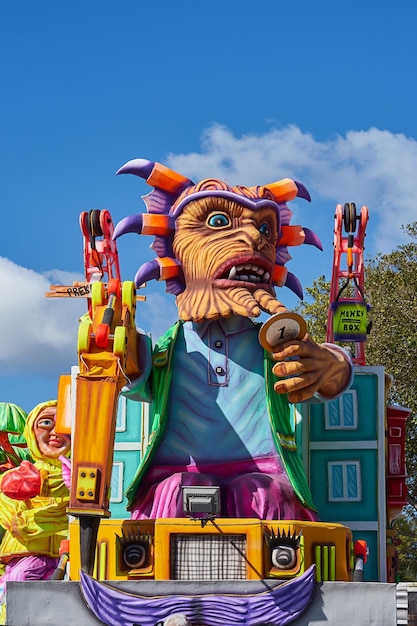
(278, 411)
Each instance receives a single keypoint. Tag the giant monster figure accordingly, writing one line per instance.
(220, 402)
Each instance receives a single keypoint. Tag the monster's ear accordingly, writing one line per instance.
(157, 175)
(287, 189)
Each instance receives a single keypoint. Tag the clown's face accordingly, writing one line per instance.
(49, 443)
(227, 253)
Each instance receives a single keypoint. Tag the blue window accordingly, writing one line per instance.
(344, 481)
(342, 413)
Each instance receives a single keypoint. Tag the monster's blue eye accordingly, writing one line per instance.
(265, 230)
(218, 220)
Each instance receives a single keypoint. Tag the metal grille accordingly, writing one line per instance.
(208, 557)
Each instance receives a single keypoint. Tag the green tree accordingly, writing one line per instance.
(406, 526)
(391, 290)
(314, 309)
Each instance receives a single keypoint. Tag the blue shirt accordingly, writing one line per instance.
(217, 404)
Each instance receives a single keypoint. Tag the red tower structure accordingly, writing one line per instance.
(348, 311)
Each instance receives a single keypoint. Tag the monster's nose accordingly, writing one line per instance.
(253, 241)
(255, 238)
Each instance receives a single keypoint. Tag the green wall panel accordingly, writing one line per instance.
(366, 386)
(367, 507)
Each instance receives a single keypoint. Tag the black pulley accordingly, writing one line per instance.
(349, 217)
(94, 223)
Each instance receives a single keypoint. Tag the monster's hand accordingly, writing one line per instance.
(312, 368)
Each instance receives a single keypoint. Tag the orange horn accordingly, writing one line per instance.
(157, 175)
(287, 189)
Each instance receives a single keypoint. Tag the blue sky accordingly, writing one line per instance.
(251, 92)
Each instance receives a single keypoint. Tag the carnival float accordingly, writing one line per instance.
(231, 472)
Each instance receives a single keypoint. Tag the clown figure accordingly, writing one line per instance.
(33, 502)
(220, 401)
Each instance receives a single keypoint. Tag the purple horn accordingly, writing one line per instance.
(148, 271)
(294, 284)
(138, 167)
(312, 238)
(129, 224)
(302, 191)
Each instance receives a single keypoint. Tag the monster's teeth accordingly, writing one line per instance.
(253, 273)
(232, 273)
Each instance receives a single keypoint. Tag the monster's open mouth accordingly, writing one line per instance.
(247, 271)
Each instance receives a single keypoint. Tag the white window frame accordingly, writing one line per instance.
(118, 496)
(344, 465)
(121, 418)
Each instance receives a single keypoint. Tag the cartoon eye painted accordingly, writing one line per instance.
(284, 550)
(218, 220)
(265, 230)
(284, 557)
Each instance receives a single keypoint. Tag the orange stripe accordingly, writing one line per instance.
(279, 275)
(291, 236)
(154, 224)
(283, 190)
(170, 268)
(166, 179)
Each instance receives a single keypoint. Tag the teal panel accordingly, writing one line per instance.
(129, 423)
(366, 386)
(364, 510)
(370, 570)
(129, 460)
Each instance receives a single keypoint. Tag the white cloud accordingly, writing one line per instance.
(39, 334)
(374, 167)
